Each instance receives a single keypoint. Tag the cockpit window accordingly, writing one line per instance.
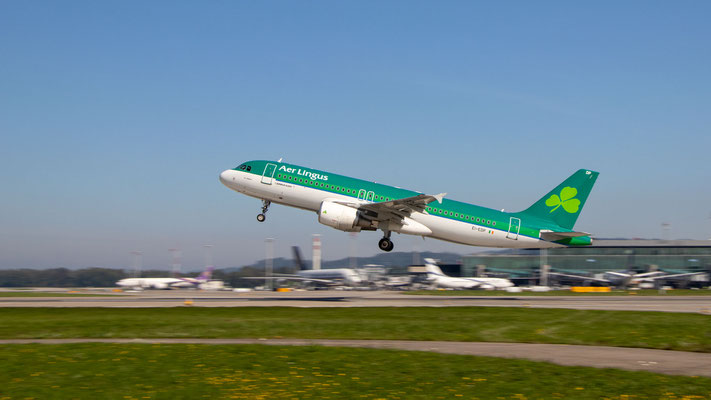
(245, 167)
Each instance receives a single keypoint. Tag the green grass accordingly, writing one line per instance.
(614, 292)
(674, 331)
(132, 371)
(48, 294)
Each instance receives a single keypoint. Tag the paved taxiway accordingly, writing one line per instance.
(659, 361)
(176, 298)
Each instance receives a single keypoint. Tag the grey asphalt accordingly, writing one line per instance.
(177, 298)
(659, 361)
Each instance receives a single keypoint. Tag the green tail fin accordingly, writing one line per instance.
(563, 204)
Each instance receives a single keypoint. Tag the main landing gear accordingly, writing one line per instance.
(385, 244)
(265, 207)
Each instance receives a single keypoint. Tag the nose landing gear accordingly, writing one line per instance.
(265, 207)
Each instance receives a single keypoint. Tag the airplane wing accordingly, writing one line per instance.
(649, 274)
(673, 276)
(291, 278)
(400, 208)
(579, 277)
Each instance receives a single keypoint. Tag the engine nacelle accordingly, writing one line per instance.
(343, 218)
(159, 285)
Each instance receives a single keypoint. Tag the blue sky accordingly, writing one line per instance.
(117, 117)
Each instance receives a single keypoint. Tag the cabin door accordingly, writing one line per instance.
(268, 176)
(514, 228)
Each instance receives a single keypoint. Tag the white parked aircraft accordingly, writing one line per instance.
(166, 283)
(328, 276)
(439, 279)
(331, 276)
(320, 277)
(623, 279)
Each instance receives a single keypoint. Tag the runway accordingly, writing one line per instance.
(658, 361)
(178, 298)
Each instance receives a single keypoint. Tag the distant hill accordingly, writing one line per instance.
(394, 259)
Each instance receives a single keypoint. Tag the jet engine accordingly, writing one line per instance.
(159, 285)
(344, 218)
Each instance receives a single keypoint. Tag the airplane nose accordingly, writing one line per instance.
(225, 177)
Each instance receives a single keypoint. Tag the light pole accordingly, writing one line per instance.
(137, 261)
(208, 256)
(269, 263)
(175, 256)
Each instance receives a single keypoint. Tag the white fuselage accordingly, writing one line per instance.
(468, 283)
(346, 275)
(311, 199)
(150, 283)
(437, 278)
(160, 283)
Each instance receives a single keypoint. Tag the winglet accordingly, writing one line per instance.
(439, 197)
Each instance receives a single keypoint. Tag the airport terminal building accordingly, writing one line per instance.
(671, 256)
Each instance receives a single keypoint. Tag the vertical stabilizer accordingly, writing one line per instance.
(298, 262)
(206, 275)
(563, 204)
(432, 268)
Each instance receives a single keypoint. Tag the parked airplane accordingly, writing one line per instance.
(166, 283)
(352, 205)
(439, 279)
(322, 277)
(328, 276)
(623, 279)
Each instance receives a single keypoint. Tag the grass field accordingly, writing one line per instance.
(502, 293)
(111, 371)
(674, 331)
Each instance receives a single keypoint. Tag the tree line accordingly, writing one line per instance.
(107, 277)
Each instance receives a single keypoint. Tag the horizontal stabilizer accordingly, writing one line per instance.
(553, 236)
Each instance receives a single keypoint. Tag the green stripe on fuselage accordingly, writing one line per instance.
(486, 218)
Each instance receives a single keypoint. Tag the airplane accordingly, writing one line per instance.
(325, 277)
(679, 279)
(166, 283)
(623, 279)
(439, 279)
(352, 205)
(329, 276)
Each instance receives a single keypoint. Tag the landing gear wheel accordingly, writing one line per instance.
(385, 244)
(265, 208)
